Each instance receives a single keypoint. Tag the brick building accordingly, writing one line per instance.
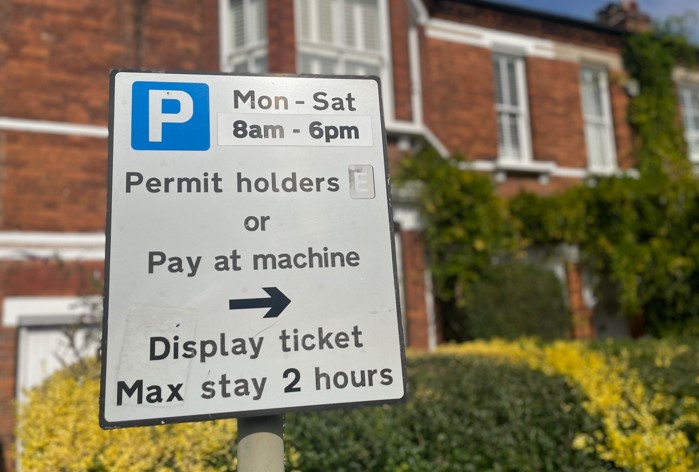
(537, 100)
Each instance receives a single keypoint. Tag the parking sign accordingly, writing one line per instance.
(250, 256)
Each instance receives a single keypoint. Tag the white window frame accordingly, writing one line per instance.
(255, 44)
(523, 127)
(339, 53)
(690, 113)
(50, 315)
(606, 163)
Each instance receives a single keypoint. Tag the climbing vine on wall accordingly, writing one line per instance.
(650, 58)
(466, 224)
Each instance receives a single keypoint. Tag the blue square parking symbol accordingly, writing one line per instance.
(170, 116)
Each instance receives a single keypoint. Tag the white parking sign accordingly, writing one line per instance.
(250, 259)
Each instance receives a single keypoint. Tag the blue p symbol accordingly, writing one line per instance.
(170, 116)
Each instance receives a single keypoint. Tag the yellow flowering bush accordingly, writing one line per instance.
(58, 430)
(483, 405)
(644, 428)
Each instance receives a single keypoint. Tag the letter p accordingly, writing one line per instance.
(157, 114)
(170, 116)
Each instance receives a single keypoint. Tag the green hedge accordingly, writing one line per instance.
(464, 414)
(479, 406)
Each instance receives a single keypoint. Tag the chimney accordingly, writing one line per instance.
(624, 15)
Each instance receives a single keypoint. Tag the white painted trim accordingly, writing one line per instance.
(20, 245)
(19, 311)
(224, 35)
(481, 166)
(570, 172)
(408, 217)
(429, 308)
(488, 38)
(419, 11)
(688, 76)
(387, 80)
(403, 127)
(52, 127)
(538, 167)
(580, 54)
(435, 142)
(415, 75)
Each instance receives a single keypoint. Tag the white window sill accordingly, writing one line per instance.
(530, 167)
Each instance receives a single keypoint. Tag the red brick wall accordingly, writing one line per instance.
(57, 55)
(400, 56)
(415, 310)
(55, 59)
(458, 97)
(53, 183)
(582, 315)
(281, 42)
(558, 132)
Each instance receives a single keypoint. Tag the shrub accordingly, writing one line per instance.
(465, 413)
(480, 406)
(516, 299)
(643, 428)
(59, 430)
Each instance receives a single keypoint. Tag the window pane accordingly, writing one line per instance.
(259, 19)
(370, 17)
(315, 64)
(694, 108)
(361, 68)
(514, 136)
(690, 111)
(592, 93)
(305, 20)
(498, 82)
(350, 25)
(511, 115)
(240, 64)
(598, 119)
(595, 145)
(361, 22)
(237, 23)
(509, 142)
(325, 21)
(512, 82)
(260, 64)
(501, 132)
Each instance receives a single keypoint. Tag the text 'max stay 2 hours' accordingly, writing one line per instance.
(228, 385)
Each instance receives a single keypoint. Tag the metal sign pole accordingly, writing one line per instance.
(261, 444)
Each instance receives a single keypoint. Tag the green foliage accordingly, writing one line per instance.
(466, 223)
(550, 220)
(639, 234)
(669, 371)
(650, 58)
(517, 299)
(58, 429)
(465, 414)
(480, 406)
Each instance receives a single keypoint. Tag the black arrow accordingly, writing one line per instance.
(276, 302)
